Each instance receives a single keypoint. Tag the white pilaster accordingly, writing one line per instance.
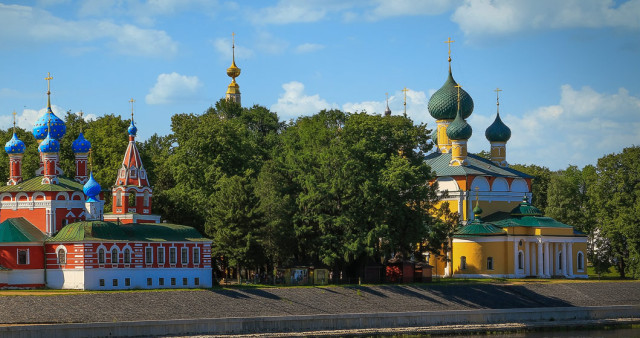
(515, 257)
(527, 260)
(564, 259)
(540, 272)
(546, 260)
(570, 258)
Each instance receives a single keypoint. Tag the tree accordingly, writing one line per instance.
(567, 199)
(30, 159)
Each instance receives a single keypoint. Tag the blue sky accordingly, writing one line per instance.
(568, 69)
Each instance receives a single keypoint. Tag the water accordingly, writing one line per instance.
(590, 333)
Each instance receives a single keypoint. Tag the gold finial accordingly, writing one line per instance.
(405, 90)
(233, 47)
(233, 71)
(90, 160)
(449, 41)
(458, 86)
(81, 120)
(132, 101)
(477, 189)
(498, 90)
(49, 78)
(14, 121)
(387, 95)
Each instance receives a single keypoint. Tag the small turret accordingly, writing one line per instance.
(15, 149)
(498, 134)
(81, 147)
(233, 91)
(93, 205)
(49, 148)
(459, 131)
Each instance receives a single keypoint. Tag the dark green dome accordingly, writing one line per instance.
(459, 129)
(434, 136)
(477, 210)
(443, 104)
(526, 209)
(498, 131)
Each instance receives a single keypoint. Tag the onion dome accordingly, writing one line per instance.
(49, 145)
(58, 128)
(233, 71)
(477, 211)
(459, 129)
(498, 131)
(81, 145)
(443, 104)
(434, 136)
(14, 146)
(92, 189)
(132, 129)
(526, 209)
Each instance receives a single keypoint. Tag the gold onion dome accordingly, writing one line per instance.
(233, 71)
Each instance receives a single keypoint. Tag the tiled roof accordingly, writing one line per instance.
(19, 230)
(476, 228)
(35, 184)
(439, 162)
(109, 231)
(531, 221)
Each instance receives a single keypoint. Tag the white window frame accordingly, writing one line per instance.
(184, 255)
(161, 252)
(148, 258)
(196, 256)
(18, 256)
(173, 255)
(117, 255)
(580, 262)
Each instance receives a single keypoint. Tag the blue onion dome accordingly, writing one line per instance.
(526, 209)
(81, 145)
(92, 189)
(443, 104)
(498, 131)
(58, 128)
(459, 129)
(49, 145)
(14, 146)
(132, 129)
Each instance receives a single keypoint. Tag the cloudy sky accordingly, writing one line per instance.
(568, 69)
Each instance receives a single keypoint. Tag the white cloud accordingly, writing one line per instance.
(172, 88)
(223, 47)
(385, 8)
(294, 102)
(584, 126)
(23, 24)
(416, 106)
(504, 17)
(294, 11)
(308, 48)
(144, 12)
(28, 117)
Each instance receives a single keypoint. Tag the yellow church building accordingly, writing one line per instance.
(504, 235)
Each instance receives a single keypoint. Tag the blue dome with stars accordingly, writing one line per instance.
(58, 128)
(14, 146)
(92, 189)
(132, 129)
(49, 145)
(81, 145)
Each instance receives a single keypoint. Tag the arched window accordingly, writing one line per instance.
(520, 260)
(114, 256)
(132, 199)
(101, 256)
(580, 261)
(62, 256)
(118, 198)
(559, 260)
(463, 263)
(489, 263)
(127, 256)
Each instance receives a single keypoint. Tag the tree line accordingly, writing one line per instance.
(335, 189)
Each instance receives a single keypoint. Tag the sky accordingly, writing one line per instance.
(568, 70)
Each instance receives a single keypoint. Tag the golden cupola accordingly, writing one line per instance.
(233, 90)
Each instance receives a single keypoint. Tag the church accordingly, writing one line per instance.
(54, 232)
(503, 235)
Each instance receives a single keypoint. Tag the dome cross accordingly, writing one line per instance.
(405, 90)
(498, 90)
(132, 101)
(449, 42)
(14, 121)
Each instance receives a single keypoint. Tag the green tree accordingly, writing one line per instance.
(567, 199)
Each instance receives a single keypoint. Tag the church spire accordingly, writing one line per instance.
(387, 112)
(233, 91)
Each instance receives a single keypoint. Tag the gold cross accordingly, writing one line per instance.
(132, 101)
(14, 121)
(458, 86)
(81, 121)
(90, 160)
(449, 41)
(48, 78)
(405, 90)
(498, 90)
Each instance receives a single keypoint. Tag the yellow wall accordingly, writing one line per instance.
(477, 254)
(579, 247)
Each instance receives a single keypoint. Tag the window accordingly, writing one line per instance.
(463, 263)
(62, 256)
(127, 282)
(580, 262)
(118, 198)
(196, 256)
(520, 260)
(160, 255)
(114, 256)
(148, 255)
(115, 282)
(23, 256)
(127, 256)
(185, 256)
(146, 196)
(173, 281)
(172, 255)
(101, 256)
(102, 282)
(184, 281)
(559, 260)
(132, 172)
(161, 281)
(132, 198)
(123, 172)
(149, 281)
(489, 263)
(196, 281)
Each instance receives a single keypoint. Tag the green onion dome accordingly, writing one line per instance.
(443, 104)
(459, 129)
(498, 131)
(526, 209)
(477, 210)
(434, 136)
(14, 146)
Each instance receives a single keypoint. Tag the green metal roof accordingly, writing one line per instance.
(531, 221)
(479, 228)
(35, 184)
(20, 230)
(439, 162)
(109, 231)
(526, 209)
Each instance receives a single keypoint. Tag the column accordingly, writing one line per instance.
(556, 259)
(540, 261)
(564, 259)
(546, 260)
(570, 258)
(534, 261)
(515, 257)
(527, 260)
